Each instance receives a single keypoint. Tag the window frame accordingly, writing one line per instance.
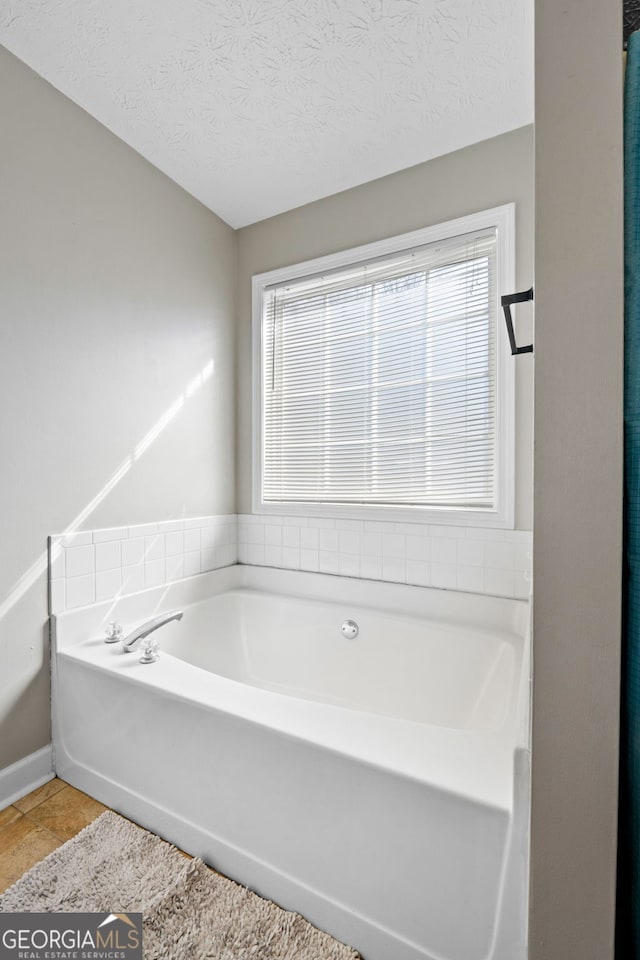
(502, 218)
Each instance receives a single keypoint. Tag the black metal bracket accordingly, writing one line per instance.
(506, 306)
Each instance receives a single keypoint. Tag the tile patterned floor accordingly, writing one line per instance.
(35, 825)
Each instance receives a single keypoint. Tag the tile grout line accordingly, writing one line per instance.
(46, 830)
(40, 802)
(37, 823)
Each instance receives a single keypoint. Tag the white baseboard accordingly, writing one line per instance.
(25, 775)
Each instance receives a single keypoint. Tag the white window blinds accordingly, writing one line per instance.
(379, 381)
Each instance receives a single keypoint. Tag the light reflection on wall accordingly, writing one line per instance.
(39, 566)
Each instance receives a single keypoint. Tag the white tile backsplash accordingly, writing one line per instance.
(444, 575)
(76, 539)
(471, 579)
(524, 555)
(143, 530)
(104, 564)
(132, 579)
(208, 558)
(444, 549)
(501, 583)
(371, 568)
(256, 553)
(309, 560)
(255, 533)
(394, 546)
(207, 538)
(80, 591)
(191, 540)
(291, 558)
(132, 551)
(394, 569)
(501, 556)
(154, 573)
(222, 537)
(471, 553)
(108, 555)
(78, 560)
(194, 523)
(108, 583)
(101, 564)
(273, 555)
(112, 533)
(523, 584)
(226, 554)
(309, 538)
(349, 541)
(174, 543)
(57, 594)
(273, 535)
(57, 564)
(329, 561)
(343, 524)
(192, 563)
(349, 564)
(417, 548)
(291, 536)
(418, 573)
(329, 539)
(371, 544)
(170, 526)
(174, 568)
(154, 547)
(476, 560)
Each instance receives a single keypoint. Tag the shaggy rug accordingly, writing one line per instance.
(189, 911)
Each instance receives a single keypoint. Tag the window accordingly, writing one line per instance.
(383, 384)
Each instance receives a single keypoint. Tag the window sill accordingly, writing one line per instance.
(461, 517)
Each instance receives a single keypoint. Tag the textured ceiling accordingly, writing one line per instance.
(258, 106)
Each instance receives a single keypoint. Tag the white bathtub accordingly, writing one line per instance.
(377, 785)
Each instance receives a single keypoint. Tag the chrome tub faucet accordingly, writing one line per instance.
(150, 648)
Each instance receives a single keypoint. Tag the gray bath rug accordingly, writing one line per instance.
(189, 912)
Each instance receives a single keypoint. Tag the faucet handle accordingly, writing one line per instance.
(149, 648)
(113, 632)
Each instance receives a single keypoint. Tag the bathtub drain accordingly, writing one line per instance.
(350, 629)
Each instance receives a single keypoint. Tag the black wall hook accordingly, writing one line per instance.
(506, 306)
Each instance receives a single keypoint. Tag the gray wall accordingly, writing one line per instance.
(487, 174)
(116, 289)
(578, 477)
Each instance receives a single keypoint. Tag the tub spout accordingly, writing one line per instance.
(132, 640)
